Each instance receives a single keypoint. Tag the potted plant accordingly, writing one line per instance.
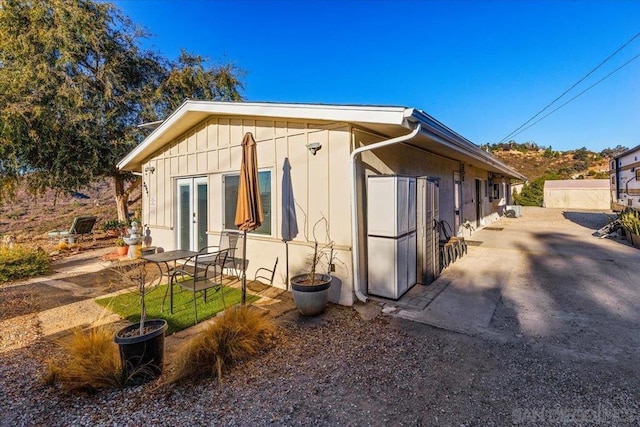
(630, 220)
(121, 246)
(311, 290)
(141, 344)
(113, 227)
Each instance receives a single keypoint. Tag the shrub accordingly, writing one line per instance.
(238, 334)
(113, 225)
(19, 262)
(92, 363)
(630, 221)
(17, 213)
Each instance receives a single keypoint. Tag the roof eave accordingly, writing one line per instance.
(459, 142)
(398, 116)
(201, 109)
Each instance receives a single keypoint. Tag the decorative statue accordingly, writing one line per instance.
(146, 241)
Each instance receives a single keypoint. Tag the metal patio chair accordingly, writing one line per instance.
(266, 274)
(232, 241)
(197, 279)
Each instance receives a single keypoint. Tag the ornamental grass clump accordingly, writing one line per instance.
(237, 335)
(20, 261)
(92, 363)
(630, 220)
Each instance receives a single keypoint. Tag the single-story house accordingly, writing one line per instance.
(190, 166)
(577, 194)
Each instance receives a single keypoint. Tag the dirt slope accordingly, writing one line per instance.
(29, 217)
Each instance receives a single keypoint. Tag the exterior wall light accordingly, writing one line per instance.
(314, 147)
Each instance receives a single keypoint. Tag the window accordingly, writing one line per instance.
(637, 174)
(230, 184)
(496, 191)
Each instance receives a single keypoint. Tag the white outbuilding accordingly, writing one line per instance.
(591, 194)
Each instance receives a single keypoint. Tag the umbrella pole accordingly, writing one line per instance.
(286, 245)
(244, 270)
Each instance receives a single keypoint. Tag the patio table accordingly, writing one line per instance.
(165, 258)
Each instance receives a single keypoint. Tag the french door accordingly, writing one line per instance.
(192, 213)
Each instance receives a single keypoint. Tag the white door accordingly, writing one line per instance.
(192, 213)
(457, 198)
(427, 232)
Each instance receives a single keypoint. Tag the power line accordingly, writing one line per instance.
(551, 112)
(513, 133)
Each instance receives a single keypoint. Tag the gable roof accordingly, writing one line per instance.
(387, 120)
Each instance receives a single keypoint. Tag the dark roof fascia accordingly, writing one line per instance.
(461, 142)
(629, 151)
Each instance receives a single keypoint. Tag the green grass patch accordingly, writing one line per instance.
(19, 262)
(128, 305)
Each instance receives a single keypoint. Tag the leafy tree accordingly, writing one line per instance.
(548, 152)
(74, 84)
(188, 78)
(612, 152)
(532, 193)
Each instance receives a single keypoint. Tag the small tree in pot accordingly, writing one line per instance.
(121, 246)
(141, 344)
(311, 290)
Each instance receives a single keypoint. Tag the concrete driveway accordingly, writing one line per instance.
(542, 278)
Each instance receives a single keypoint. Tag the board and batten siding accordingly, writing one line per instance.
(213, 149)
(404, 159)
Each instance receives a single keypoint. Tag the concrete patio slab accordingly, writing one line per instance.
(543, 278)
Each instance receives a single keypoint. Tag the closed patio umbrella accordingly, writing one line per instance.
(289, 229)
(249, 206)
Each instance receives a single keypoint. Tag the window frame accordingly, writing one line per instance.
(267, 215)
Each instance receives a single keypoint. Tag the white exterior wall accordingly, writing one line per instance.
(320, 185)
(577, 194)
(402, 159)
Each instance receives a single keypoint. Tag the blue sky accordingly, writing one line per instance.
(481, 67)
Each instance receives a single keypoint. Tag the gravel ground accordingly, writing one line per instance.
(338, 369)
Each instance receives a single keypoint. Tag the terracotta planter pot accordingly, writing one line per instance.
(311, 298)
(122, 250)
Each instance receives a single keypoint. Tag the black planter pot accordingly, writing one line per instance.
(311, 299)
(142, 356)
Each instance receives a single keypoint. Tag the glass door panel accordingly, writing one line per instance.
(201, 217)
(192, 213)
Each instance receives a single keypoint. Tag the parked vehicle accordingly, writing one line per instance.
(624, 171)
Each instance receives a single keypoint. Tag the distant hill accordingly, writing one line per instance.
(540, 164)
(535, 162)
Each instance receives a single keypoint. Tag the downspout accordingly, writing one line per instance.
(354, 207)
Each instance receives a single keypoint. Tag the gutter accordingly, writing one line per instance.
(447, 137)
(354, 207)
